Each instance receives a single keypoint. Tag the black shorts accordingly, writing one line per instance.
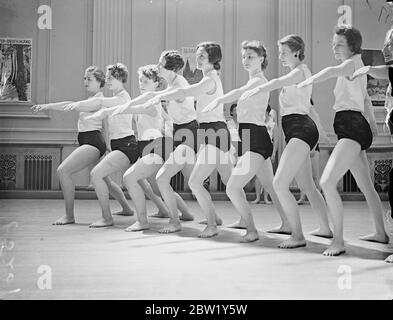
(162, 146)
(255, 139)
(187, 134)
(353, 125)
(300, 126)
(216, 134)
(128, 145)
(93, 138)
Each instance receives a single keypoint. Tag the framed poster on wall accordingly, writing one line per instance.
(376, 87)
(15, 70)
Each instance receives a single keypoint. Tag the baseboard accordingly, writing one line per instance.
(87, 193)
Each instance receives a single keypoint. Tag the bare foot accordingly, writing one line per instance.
(292, 243)
(186, 217)
(218, 221)
(322, 233)
(126, 213)
(237, 225)
(159, 214)
(102, 223)
(335, 249)
(268, 202)
(301, 201)
(209, 232)
(137, 226)
(389, 259)
(283, 229)
(374, 237)
(173, 226)
(64, 220)
(250, 236)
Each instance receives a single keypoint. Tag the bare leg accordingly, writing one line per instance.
(144, 168)
(207, 158)
(113, 162)
(80, 158)
(235, 190)
(292, 159)
(117, 193)
(258, 191)
(154, 195)
(318, 205)
(361, 173)
(266, 177)
(171, 167)
(344, 154)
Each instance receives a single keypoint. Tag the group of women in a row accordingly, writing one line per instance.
(200, 141)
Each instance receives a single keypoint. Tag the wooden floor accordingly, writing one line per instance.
(112, 264)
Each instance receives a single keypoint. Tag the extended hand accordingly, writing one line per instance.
(249, 93)
(99, 115)
(152, 102)
(39, 107)
(305, 83)
(360, 72)
(211, 106)
(120, 109)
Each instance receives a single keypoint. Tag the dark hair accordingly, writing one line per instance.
(173, 60)
(259, 49)
(98, 73)
(119, 71)
(295, 43)
(233, 106)
(353, 36)
(213, 52)
(150, 71)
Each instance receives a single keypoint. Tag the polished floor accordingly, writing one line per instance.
(41, 261)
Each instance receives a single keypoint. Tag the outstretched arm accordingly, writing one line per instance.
(137, 109)
(344, 69)
(377, 72)
(95, 104)
(233, 95)
(197, 89)
(50, 106)
(292, 78)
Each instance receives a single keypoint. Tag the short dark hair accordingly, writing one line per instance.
(150, 71)
(97, 73)
(213, 52)
(259, 49)
(118, 71)
(295, 43)
(353, 36)
(173, 60)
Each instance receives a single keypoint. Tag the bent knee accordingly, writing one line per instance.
(280, 184)
(61, 171)
(195, 184)
(95, 175)
(162, 179)
(129, 178)
(327, 182)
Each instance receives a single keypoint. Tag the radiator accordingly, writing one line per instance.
(38, 172)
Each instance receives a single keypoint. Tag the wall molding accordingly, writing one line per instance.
(19, 114)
